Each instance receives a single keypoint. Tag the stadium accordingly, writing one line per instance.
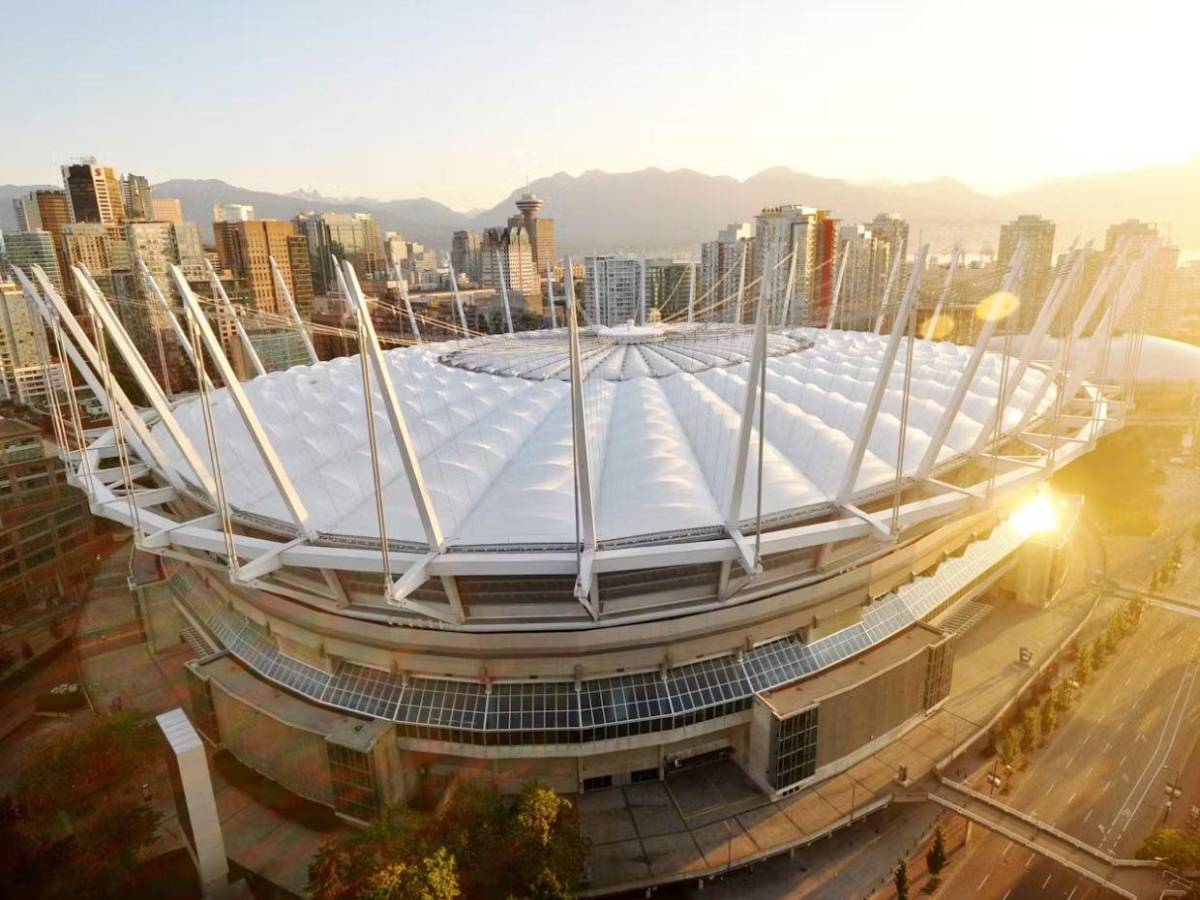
(587, 555)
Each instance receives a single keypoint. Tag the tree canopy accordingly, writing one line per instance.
(482, 845)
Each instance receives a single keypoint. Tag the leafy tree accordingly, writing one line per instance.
(433, 878)
(935, 859)
(1029, 731)
(1064, 696)
(1083, 664)
(483, 845)
(69, 772)
(1047, 718)
(900, 879)
(1010, 747)
(26, 651)
(6, 659)
(1179, 848)
(1099, 652)
(107, 849)
(1120, 481)
(56, 629)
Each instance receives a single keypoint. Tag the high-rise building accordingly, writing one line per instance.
(465, 256)
(246, 248)
(300, 265)
(507, 258)
(93, 193)
(811, 234)
(189, 248)
(135, 196)
(232, 212)
(1037, 234)
(166, 209)
(395, 251)
(668, 283)
(29, 248)
(540, 231)
(18, 347)
(720, 270)
(868, 262)
(1155, 307)
(349, 236)
(892, 229)
(104, 250)
(612, 288)
(45, 210)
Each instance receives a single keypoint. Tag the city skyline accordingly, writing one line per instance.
(1013, 80)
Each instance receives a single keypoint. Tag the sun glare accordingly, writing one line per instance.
(1036, 516)
(997, 306)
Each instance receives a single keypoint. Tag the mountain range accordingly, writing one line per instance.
(658, 212)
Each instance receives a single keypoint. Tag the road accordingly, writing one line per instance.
(1102, 776)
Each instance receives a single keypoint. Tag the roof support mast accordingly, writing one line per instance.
(741, 292)
(223, 299)
(458, 304)
(116, 332)
(931, 327)
(550, 295)
(412, 319)
(418, 573)
(504, 292)
(233, 387)
(888, 288)
(92, 371)
(837, 288)
(691, 309)
(282, 289)
(963, 385)
(585, 586)
(157, 294)
(867, 423)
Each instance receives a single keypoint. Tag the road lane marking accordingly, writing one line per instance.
(1006, 893)
(1089, 815)
(982, 883)
(1106, 786)
(1032, 857)
(1046, 882)
(1073, 890)
(1008, 846)
(1122, 762)
(1071, 799)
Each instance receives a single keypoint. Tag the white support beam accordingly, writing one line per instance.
(741, 291)
(867, 424)
(233, 387)
(260, 566)
(223, 299)
(395, 414)
(504, 292)
(157, 294)
(1061, 288)
(87, 362)
(583, 475)
(733, 504)
(550, 296)
(932, 324)
(791, 282)
(408, 309)
(642, 291)
(458, 304)
(837, 289)
(691, 307)
(938, 438)
(888, 287)
(281, 288)
(141, 373)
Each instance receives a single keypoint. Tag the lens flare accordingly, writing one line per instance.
(937, 328)
(997, 306)
(1037, 516)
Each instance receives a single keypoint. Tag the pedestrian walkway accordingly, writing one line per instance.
(646, 834)
(1125, 877)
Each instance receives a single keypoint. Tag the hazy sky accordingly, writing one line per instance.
(460, 100)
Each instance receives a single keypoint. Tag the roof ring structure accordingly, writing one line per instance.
(619, 352)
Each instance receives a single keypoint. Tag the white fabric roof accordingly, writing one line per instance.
(495, 450)
(1161, 359)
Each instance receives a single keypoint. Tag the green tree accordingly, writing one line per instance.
(1029, 731)
(1010, 747)
(900, 879)
(935, 859)
(433, 878)
(1099, 652)
(1047, 719)
(1179, 848)
(107, 850)
(1083, 664)
(1064, 696)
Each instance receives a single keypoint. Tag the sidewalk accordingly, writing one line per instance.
(643, 835)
